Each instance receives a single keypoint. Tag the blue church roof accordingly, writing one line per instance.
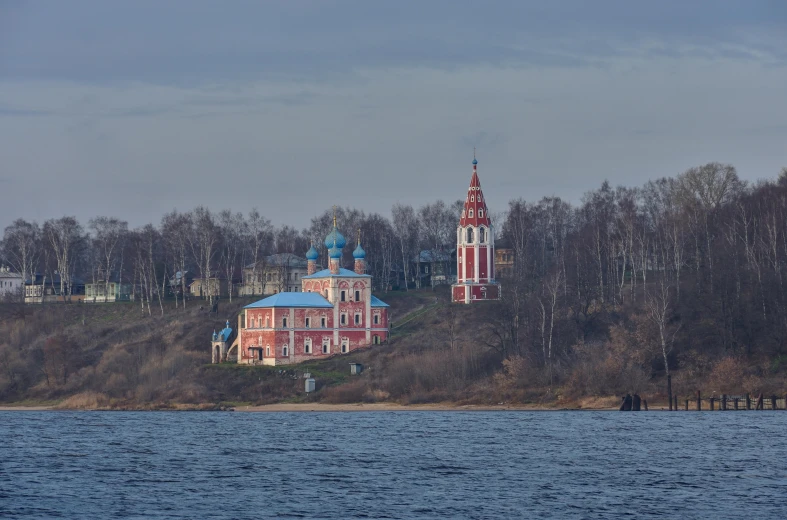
(359, 253)
(312, 253)
(224, 334)
(377, 302)
(335, 239)
(325, 273)
(292, 299)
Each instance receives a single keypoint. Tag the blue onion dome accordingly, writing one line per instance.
(312, 253)
(475, 161)
(359, 253)
(335, 239)
(334, 253)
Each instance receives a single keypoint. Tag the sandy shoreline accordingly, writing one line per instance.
(322, 407)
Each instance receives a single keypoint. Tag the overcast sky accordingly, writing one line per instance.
(131, 109)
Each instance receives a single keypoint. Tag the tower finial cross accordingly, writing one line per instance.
(334, 215)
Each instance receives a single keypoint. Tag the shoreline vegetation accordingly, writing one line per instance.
(677, 288)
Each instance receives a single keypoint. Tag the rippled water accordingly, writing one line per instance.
(393, 465)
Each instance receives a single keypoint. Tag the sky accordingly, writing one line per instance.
(133, 109)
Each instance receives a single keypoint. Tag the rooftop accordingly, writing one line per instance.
(377, 302)
(292, 299)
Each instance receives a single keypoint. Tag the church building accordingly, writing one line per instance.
(475, 249)
(334, 313)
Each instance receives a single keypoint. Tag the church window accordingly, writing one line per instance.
(470, 213)
(307, 346)
(482, 235)
(344, 319)
(376, 319)
(357, 296)
(284, 322)
(480, 213)
(472, 198)
(357, 318)
(344, 296)
(326, 294)
(268, 350)
(344, 346)
(284, 351)
(267, 321)
(470, 235)
(322, 322)
(308, 322)
(326, 347)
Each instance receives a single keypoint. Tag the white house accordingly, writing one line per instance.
(10, 282)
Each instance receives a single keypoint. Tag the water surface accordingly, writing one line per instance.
(402, 465)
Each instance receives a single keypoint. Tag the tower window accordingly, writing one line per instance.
(308, 322)
(482, 235)
(357, 296)
(470, 213)
(480, 213)
(469, 235)
(472, 198)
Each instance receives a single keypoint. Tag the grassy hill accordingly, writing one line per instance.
(114, 356)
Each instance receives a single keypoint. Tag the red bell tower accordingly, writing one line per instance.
(475, 249)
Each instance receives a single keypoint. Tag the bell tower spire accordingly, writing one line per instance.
(475, 248)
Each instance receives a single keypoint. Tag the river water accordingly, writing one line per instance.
(401, 465)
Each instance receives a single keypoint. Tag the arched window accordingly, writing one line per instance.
(482, 235)
(268, 350)
(469, 235)
(325, 347)
(284, 351)
(472, 198)
(470, 213)
(307, 346)
(357, 296)
(480, 213)
(344, 347)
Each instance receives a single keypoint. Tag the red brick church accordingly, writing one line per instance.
(475, 249)
(335, 313)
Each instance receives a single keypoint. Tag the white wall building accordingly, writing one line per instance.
(10, 282)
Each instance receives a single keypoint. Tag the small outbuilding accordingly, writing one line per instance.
(356, 369)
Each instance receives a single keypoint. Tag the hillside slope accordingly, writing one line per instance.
(114, 356)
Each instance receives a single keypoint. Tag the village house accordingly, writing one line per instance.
(11, 283)
(214, 287)
(274, 274)
(46, 288)
(99, 291)
(504, 260)
(433, 267)
(334, 312)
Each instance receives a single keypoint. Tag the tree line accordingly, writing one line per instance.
(682, 271)
(226, 244)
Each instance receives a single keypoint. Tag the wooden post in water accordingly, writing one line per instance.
(773, 402)
(687, 405)
(748, 402)
(735, 401)
(699, 401)
(636, 402)
(711, 403)
(645, 404)
(759, 403)
(724, 401)
(669, 391)
(675, 398)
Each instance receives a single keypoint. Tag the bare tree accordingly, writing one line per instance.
(203, 242)
(65, 236)
(21, 247)
(108, 236)
(407, 230)
(176, 229)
